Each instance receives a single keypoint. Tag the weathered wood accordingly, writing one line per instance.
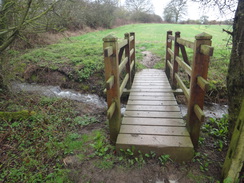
(132, 51)
(171, 37)
(184, 55)
(152, 108)
(203, 83)
(111, 109)
(155, 94)
(178, 147)
(162, 103)
(153, 114)
(186, 43)
(148, 91)
(153, 121)
(199, 68)
(168, 55)
(175, 63)
(122, 44)
(108, 51)
(198, 111)
(169, 65)
(171, 52)
(128, 64)
(151, 98)
(113, 95)
(185, 66)
(148, 86)
(132, 65)
(153, 130)
(207, 50)
(122, 64)
(122, 87)
(235, 155)
(110, 83)
(182, 86)
(133, 56)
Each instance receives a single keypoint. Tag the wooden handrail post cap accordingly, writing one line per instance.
(203, 36)
(110, 38)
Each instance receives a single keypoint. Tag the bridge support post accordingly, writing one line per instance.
(175, 63)
(168, 56)
(133, 56)
(199, 68)
(113, 93)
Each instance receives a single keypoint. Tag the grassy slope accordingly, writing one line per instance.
(84, 53)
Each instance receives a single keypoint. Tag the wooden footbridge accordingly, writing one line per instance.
(152, 120)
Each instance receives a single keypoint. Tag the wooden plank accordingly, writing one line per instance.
(179, 148)
(207, 50)
(143, 79)
(152, 108)
(148, 93)
(162, 90)
(186, 43)
(151, 98)
(151, 86)
(151, 94)
(154, 130)
(152, 114)
(160, 103)
(153, 121)
(108, 51)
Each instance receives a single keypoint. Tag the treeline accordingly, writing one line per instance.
(207, 22)
(77, 14)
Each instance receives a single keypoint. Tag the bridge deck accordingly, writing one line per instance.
(152, 120)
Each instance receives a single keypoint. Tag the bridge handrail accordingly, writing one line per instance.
(197, 73)
(118, 56)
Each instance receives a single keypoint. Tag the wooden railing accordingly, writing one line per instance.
(197, 73)
(118, 57)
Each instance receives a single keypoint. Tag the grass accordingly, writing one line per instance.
(35, 149)
(84, 54)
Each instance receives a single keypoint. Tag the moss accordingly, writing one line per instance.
(16, 115)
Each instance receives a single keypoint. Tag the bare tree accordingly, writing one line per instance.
(17, 15)
(144, 6)
(175, 10)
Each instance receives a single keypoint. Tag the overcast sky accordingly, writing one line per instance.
(194, 11)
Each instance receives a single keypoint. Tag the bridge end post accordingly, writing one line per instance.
(110, 47)
(199, 68)
(168, 56)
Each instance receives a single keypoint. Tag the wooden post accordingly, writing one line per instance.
(127, 54)
(133, 56)
(235, 155)
(199, 68)
(175, 63)
(168, 56)
(113, 94)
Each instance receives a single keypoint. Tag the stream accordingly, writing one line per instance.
(211, 110)
(56, 91)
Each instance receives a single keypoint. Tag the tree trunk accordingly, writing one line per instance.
(235, 78)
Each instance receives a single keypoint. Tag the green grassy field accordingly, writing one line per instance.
(38, 149)
(84, 53)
